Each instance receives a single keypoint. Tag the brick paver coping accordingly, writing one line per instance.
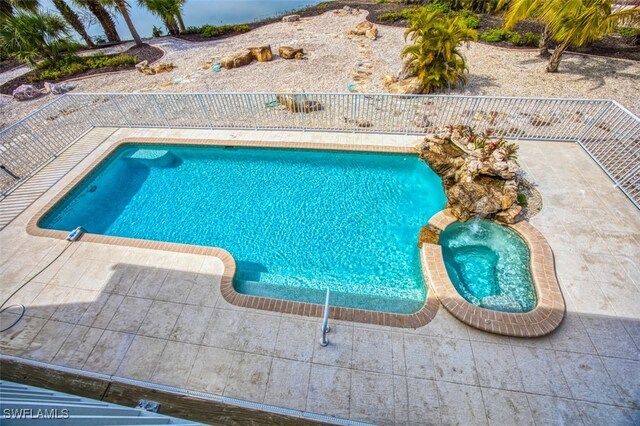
(543, 319)
(414, 320)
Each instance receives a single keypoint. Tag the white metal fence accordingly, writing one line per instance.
(609, 133)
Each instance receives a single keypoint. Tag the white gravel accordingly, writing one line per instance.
(332, 57)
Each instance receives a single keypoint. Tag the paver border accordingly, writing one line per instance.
(414, 320)
(542, 320)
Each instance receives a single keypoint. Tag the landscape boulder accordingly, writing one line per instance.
(291, 18)
(24, 92)
(371, 33)
(364, 28)
(298, 103)
(144, 68)
(261, 53)
(160, 68)
(236, 60)
(409, 86)
(287, 52)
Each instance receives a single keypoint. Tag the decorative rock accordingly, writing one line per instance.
(236, 60)
(144, 68)
(298, 103)
(242, 59)
(160, 68)
(364, 28)
(291, 18)
(286, 52)
(142, 64)
(477, 181)
(371, 33)
(227, 62)
(409, 86)
(24, 92)
(261, 53)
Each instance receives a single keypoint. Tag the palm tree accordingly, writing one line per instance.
(570, 23)
(123, 7)
(434, 57)
(7, 7)
(72, 19)
(170, 11)
(104, 17)
(30, 36)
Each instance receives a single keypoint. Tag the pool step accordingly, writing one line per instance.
(276, 290)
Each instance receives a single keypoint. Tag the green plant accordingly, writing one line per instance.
(404, 14)
(438, 6)
(156, 31)
(71, 64)
(630, 34)
(208, 31)
(433, 56)
(470, 19)
(480, 6)
(510, 151)
(522, 199)
(494, 35)
(29, 36)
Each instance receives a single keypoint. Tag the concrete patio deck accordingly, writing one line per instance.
(158, 316)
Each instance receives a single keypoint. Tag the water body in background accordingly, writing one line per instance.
(196, 13)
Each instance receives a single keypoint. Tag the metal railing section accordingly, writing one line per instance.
(606, 130)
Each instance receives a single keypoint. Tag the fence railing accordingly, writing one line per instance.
(609, 133)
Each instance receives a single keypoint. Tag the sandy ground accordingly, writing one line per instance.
(332, 57)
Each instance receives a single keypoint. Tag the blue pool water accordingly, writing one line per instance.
(489, 265)
(297, 222)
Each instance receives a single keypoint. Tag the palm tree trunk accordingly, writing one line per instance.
(180, 22)
(171, 27)
(554, 62)
(122, 7)
(544, 42)
(72, 18)
(106, 21)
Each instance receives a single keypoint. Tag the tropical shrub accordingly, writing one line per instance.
(433, 56)
(156, 31)
(208, 31)
(630, 34)
(31, 36)
(470, 19)
(70, 65)
(404, 14)
(494, 35)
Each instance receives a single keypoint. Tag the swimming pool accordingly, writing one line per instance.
(296, 221)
